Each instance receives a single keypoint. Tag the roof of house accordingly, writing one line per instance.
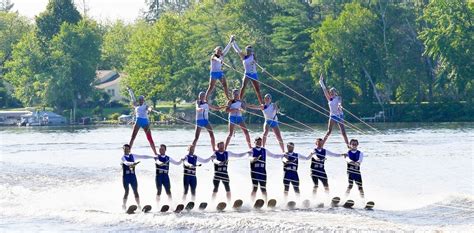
(108, 84)
(103, 76)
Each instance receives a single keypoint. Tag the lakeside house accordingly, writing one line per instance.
(109, 82)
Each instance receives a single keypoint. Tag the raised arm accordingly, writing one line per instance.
(132, 96)
(227, 47)
(238, 50)
(321, 82)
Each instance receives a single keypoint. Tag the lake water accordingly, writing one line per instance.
(69, 179)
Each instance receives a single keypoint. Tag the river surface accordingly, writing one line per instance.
(69, 179)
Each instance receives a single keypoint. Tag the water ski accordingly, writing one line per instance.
(189, 206)
(335, 201)
(237, 204)
(165, 208)
(258, 204)
(291, 205)
(369, 205)
(221, 206)
(271, 203)
(202, 206)
(146, 208)
(179, 208)
(348, 204)
(131, 209)
(306, 203)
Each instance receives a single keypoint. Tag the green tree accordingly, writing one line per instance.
(12, 28)
(49, 22)
(114, 48)
(26, 71)
(75, 53)
(158, 59)
(448, 38)
(291, 38)
(345, 49)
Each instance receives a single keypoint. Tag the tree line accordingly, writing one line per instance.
(375, 52)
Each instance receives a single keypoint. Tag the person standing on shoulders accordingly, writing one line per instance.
(336, 115)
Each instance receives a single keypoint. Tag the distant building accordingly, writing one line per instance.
(11, 117)
(109, 82)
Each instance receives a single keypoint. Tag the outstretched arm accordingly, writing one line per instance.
(202, 160)
(307, 157)
(276, 156)
(237, 155)
(217, 108)
(321, 82)
(144, 156)
(175, 162)
(332, 154)
(254, 107)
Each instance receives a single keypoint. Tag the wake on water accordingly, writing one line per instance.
(75, 202)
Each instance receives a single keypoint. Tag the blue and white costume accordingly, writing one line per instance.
(202, 113)
(290, 169)
(129, 178)
(141, 114)
(189, 179)
(270, 113)
(353, 170)
(258, 171)
(221, 161)
(236, 117)
(162, 179)
(317, 166)
(216, 64)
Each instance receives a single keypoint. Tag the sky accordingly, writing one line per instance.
(101, 10)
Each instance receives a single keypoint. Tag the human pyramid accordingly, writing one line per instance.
(257, 154)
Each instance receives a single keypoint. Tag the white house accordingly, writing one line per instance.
(109, 81)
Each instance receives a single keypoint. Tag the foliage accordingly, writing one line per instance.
(449, 39)
(113, 51)
(158, 59)
(49, 22)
